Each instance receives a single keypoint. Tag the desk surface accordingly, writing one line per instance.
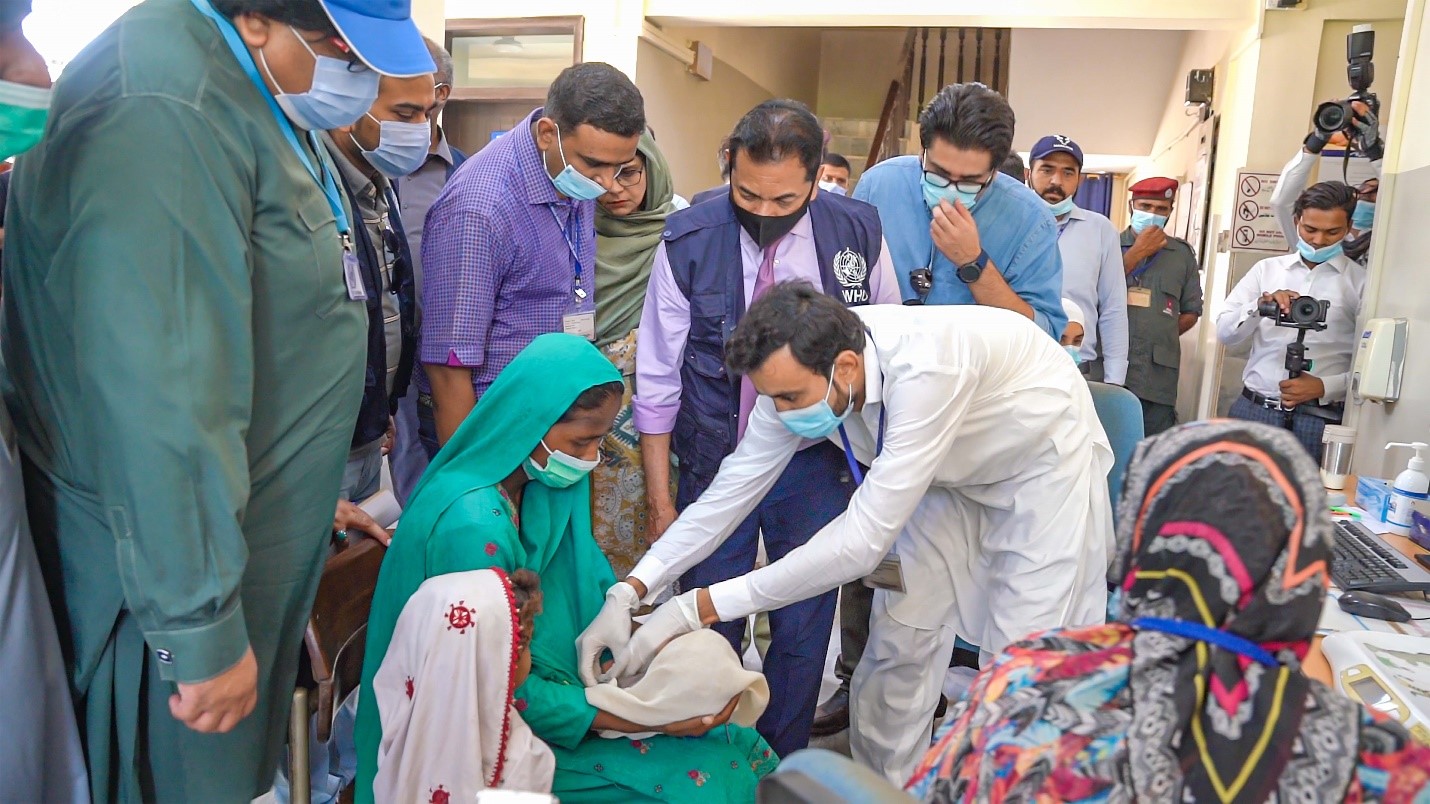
(1316, 665)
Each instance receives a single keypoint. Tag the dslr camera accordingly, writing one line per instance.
(1305, 313)
(1338, 115)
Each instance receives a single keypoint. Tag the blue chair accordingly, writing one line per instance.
(816, 776)
(1121, 414)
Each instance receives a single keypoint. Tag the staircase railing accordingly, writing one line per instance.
(976, 54)
(895, 111)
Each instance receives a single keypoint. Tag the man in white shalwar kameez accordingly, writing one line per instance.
(987, 484)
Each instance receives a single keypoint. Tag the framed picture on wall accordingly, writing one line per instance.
(513, 59)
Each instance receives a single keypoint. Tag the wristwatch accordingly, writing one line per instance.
(968, 274)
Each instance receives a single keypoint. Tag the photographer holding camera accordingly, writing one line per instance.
(1352, 124)
(1299, 314)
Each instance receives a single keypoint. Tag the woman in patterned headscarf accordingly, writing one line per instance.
(1194, 691)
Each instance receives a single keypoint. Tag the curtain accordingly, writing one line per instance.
(1095, 194)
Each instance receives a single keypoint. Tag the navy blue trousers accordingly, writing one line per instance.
(814, 489)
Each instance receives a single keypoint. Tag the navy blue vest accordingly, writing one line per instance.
(377, 405)
(703, 246)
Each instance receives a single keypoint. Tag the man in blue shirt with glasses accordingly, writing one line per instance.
(959, 232)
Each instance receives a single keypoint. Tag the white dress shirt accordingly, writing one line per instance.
(1340, 281)
(978, 403)
(1093, 278)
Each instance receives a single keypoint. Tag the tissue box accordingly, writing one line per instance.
(1373, 494)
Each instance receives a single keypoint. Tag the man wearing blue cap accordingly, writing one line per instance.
(184, 344)
(1092, 259)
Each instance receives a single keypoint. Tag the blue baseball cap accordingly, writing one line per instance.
(1056, 143)
(382, 34)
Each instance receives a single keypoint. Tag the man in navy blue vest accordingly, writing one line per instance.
(717, 257)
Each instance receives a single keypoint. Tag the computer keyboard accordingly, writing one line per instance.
(1358, 558)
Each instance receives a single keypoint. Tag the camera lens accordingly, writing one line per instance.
(1306, 310)
(1333, 115)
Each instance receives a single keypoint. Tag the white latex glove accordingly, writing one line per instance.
(677, 617)
(611, 629)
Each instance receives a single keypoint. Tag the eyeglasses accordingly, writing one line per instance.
(629, 176)
(941, 181)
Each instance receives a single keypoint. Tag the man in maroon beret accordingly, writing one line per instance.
(1164, 300)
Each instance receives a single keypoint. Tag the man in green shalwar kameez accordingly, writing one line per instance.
(184, 364)
(461, 518)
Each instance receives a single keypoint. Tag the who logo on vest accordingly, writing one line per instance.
(850, 270)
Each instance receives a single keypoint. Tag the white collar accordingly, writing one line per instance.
(873, 374)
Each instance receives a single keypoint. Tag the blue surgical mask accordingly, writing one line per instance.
(1075, 352)
(341, 92)
(561, 470)
(1142, 219)
(831, 187)
(1061, 208)
(1364, 216)
(1312, 254)
(572, 184)
(934, 194)
(818, 420)
(401, 147)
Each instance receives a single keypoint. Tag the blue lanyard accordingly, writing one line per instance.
(573, 216)
(1142, 266)
(1201, 633)
(240, 52)
(849, 450)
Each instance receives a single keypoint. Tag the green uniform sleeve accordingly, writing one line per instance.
(156, 265)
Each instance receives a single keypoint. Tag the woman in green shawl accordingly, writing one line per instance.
(629, 222)
(544, 419)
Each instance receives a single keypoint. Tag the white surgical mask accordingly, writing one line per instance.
(831, 187)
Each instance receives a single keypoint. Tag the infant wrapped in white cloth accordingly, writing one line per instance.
(693, 676)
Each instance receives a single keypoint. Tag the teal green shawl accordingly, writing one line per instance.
(527, 399)
(529, 396)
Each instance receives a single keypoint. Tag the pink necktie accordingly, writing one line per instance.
(764, 280)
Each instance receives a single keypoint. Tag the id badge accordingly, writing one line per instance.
(888, 575)
(582, 324)
(1139, 297)
(352, 274)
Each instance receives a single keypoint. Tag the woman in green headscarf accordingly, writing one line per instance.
(543, 420)
(629, 222)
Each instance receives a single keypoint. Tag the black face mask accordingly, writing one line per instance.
(766, 229)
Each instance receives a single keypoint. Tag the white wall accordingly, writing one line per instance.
(1400, 277)
(1128, 14)
(691, 116)
(855, 68)
(1104, 88)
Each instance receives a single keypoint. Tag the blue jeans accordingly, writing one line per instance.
(331, 765)
(409, 458)
(362, 476)
(814, 489)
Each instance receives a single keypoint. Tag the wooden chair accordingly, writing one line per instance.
(335, 640)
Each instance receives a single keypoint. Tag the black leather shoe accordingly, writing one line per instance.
(832, 716)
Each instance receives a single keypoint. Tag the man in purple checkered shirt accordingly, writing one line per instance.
(509, 248)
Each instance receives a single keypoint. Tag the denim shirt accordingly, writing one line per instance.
(1015, 227)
